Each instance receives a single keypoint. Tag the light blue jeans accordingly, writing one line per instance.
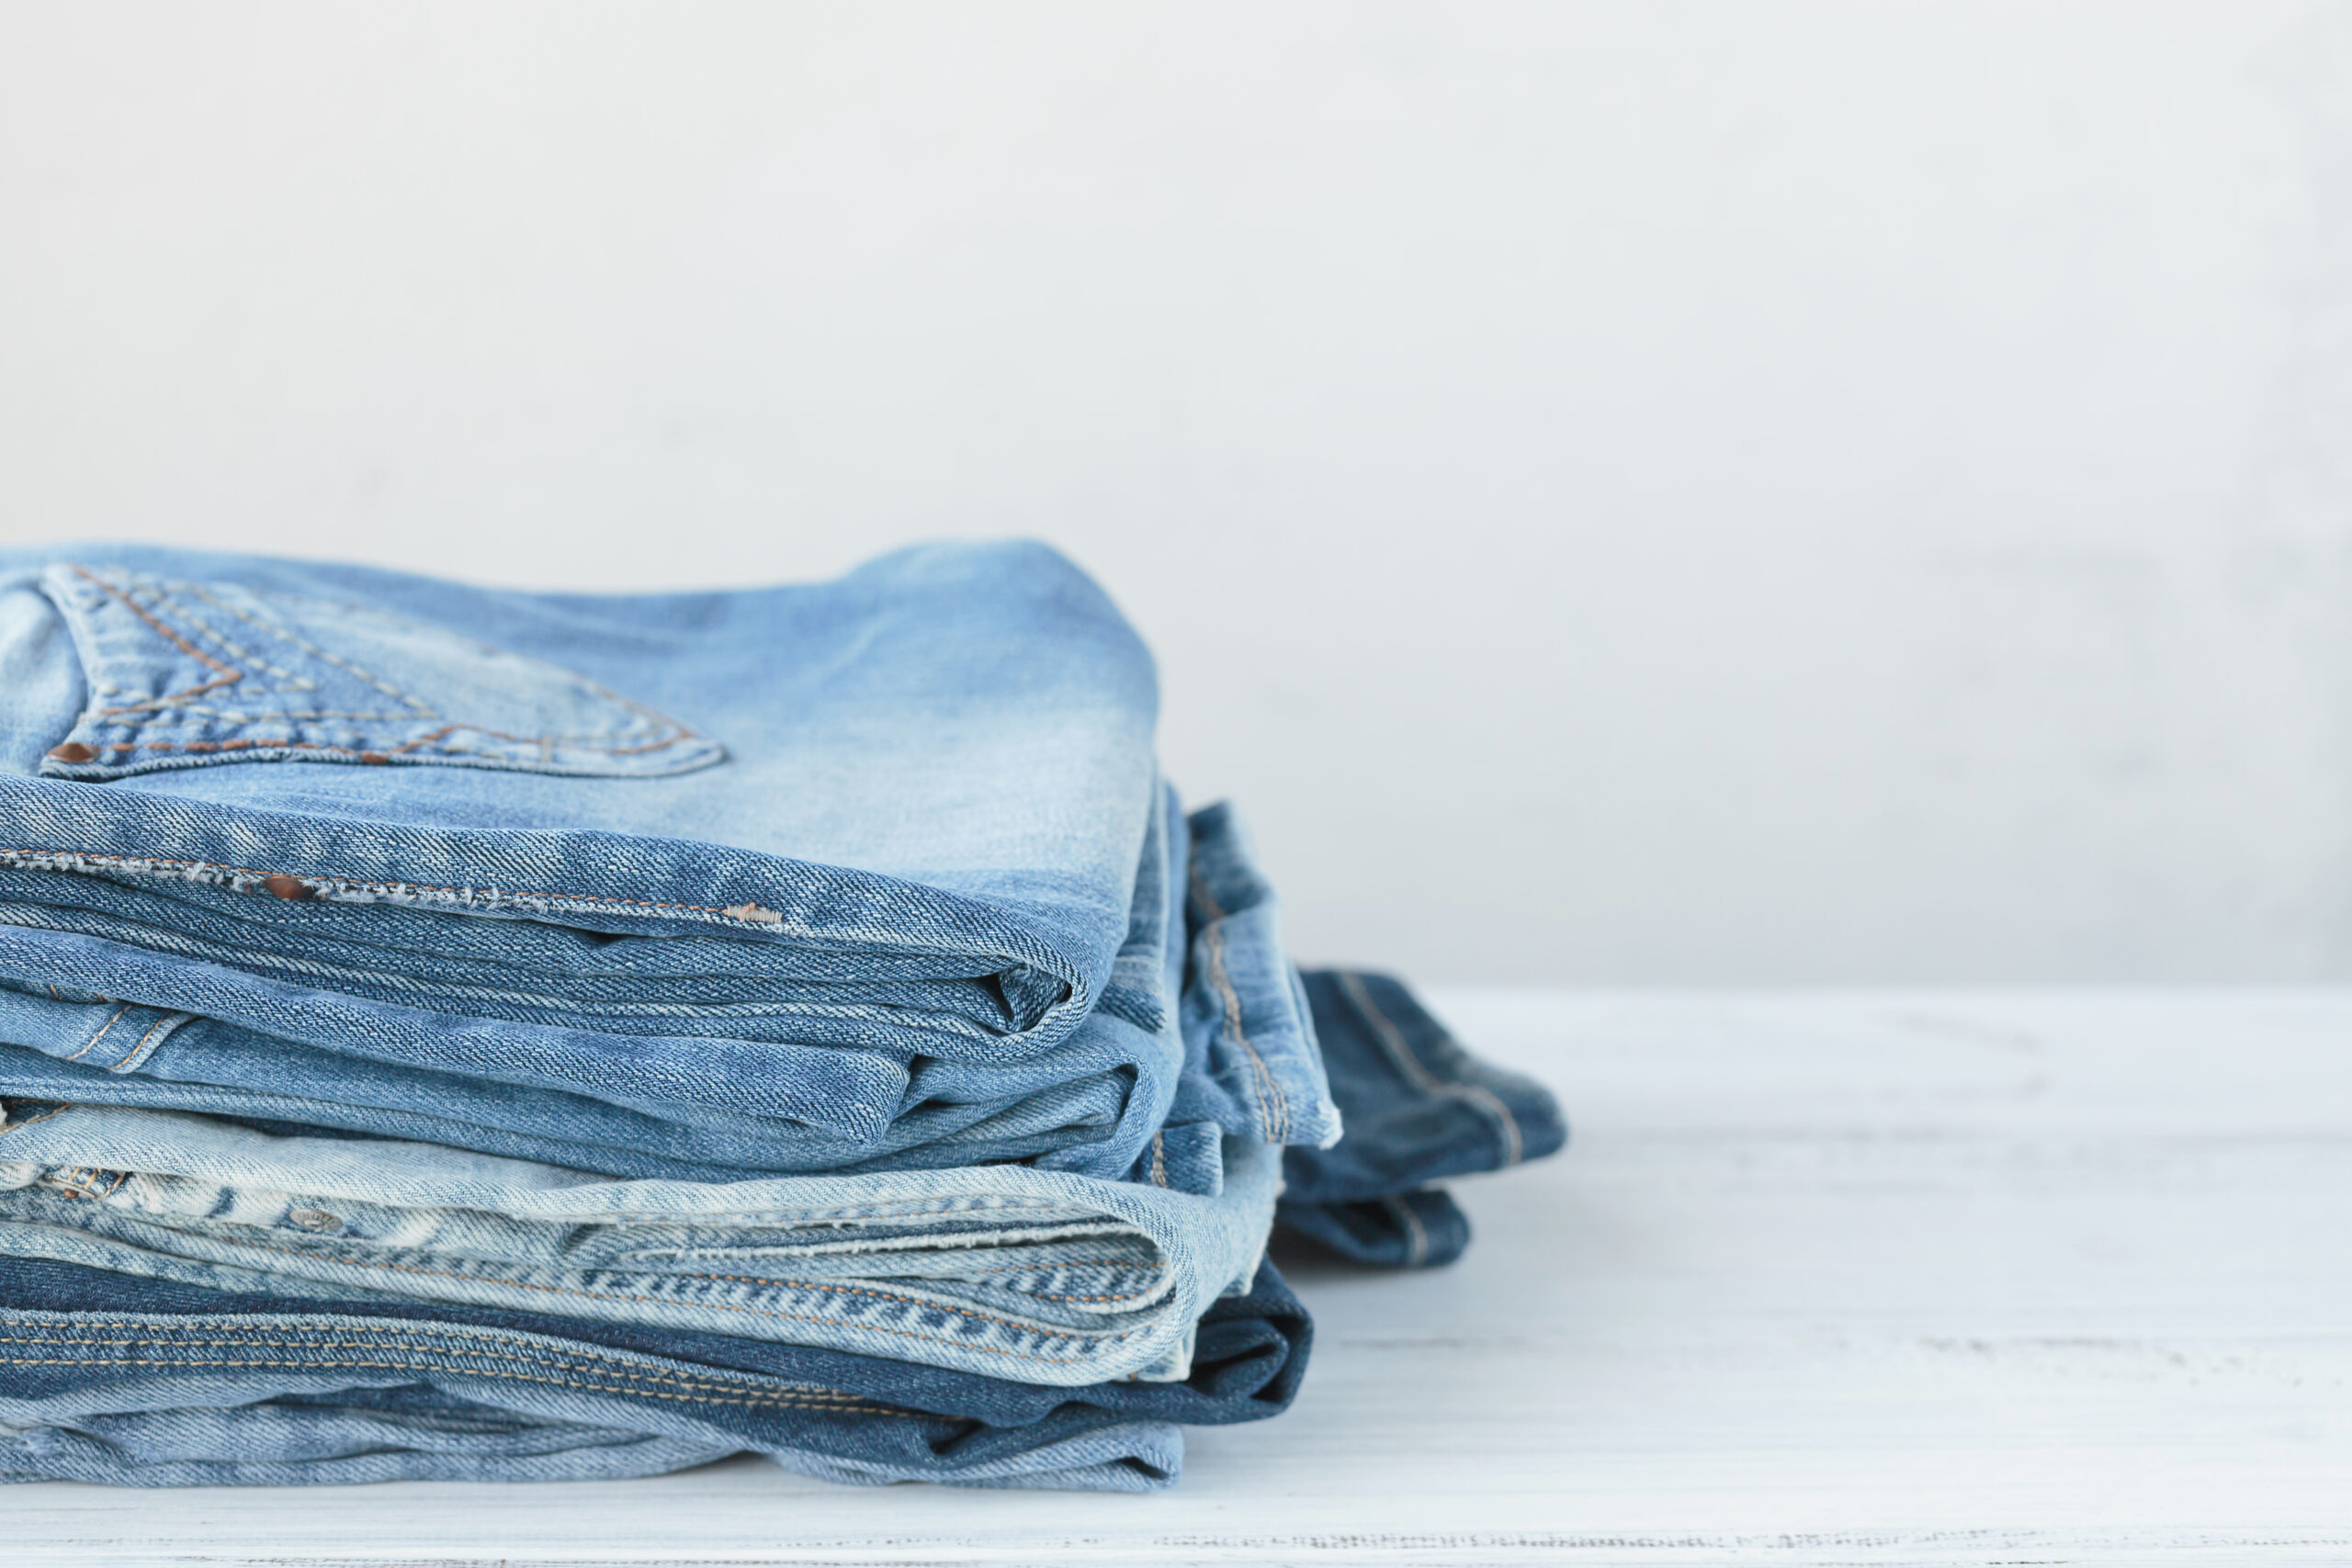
(1001, 1270)
(515, 1410)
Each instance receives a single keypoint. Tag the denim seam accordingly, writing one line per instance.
(1417, 1237)
(1074, 1263)
(157, 1032)
(814, 1397)
(92, 1042)
(900, 1208)
(140, 862)
(537, 1355)
(231, 674)
(1160, 1157)
(659, 719)
(66, 1336)
(861, 1290)
(1270, 1101)
(1392, 1041)
(423, 709)
(446, 1370)
(750, 1312)
(30, 1120)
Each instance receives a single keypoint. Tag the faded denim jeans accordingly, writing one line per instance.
(132, 1380)
(995, 1269)
(1421, 1108)
(780, 868)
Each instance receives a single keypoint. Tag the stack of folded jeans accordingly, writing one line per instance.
(455, 1032)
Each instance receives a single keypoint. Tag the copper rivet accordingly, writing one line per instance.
(75, 752)
(374, 759)
(286, 886)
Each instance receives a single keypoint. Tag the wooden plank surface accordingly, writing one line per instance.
(1905, 1278)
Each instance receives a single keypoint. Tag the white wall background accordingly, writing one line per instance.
(1639, 491)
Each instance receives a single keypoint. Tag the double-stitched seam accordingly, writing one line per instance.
(1074, 1263)
(902, 1209)
(287, 744)
(196, 625)
(1274, 1106)
(156, 1033)
(1399, 1051)
(725, 1306)
(421, 709)
(918, 1301)
(583, 1360)
(141, 1044)
(28, 1120)
(80, 1181)
(138, 861)
(753, 1401)
(226, 674)
(238, 716)
(1277, 1122)
(101, 1034)
(582, 743)
(1417, 1238)
(352, 1332)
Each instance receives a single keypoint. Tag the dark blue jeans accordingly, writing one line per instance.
(1417, 1109)
(123, 1379)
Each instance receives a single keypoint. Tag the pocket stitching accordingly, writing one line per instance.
(667, 731)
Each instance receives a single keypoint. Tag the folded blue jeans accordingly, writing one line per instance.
(138, 1381)
(1007, 1269)
(779, 868)
(1420, 1109)
(1240, 1033)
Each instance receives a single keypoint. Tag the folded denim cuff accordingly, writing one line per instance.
(1419, 1108)
(1412, 1230)
(1257, 1062)
(1057, 1279)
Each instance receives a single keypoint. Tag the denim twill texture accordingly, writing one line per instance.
(774, 854)
(449, 1034)
(1420, 1109)
(1097, 1104)
(1004, 1269)
(133, 1380)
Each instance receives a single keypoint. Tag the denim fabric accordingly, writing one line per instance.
(1100, 1103)
(139, 1382)
(136, 1381)
(817, 857)
(1418, 1109)
(1057, 1279)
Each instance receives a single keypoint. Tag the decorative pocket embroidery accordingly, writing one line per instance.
(192, 674)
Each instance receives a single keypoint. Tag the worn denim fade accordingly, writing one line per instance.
(138, 1381)
(1042, 1275)
(779, 868)
(1421, 1108)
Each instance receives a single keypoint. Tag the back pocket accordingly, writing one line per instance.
(193, 674)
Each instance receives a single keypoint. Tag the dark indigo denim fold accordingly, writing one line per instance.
(1417, 1109)
(135, 1380)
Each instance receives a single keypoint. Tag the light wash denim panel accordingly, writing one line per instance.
(1003, 1270)
(353, 1400)
(121, 1377)
(1238, 1057)
(763, 855)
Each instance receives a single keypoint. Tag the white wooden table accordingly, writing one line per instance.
(1935, 1278)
